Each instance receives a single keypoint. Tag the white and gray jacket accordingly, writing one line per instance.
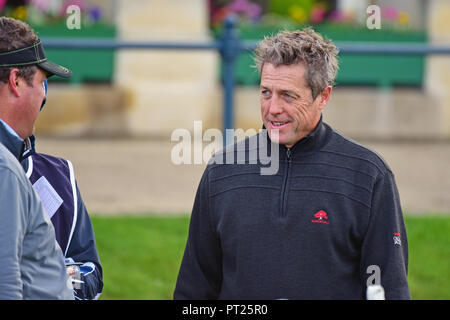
(32, 261)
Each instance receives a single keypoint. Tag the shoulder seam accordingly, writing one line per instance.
(385, 165)
(14, 174)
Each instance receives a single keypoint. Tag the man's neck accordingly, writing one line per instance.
(10, 129)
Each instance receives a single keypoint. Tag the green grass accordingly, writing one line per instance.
(141, 255)
(429, 257)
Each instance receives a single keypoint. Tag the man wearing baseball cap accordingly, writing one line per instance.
(32, 261)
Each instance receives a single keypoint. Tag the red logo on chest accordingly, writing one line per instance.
(321, 217)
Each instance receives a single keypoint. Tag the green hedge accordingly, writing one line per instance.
(92, 65)
(354, 69)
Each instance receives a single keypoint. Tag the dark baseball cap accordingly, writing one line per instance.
(33, 55)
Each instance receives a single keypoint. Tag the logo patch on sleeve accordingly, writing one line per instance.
(396, 238)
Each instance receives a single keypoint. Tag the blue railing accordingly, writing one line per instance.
(230, 47)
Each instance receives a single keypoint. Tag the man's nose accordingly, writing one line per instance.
(275, 106)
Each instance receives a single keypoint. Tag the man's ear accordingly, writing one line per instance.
(324, 97)
(14, 81)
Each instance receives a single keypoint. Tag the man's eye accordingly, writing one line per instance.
(287, 95)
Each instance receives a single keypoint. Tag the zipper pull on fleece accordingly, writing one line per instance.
(288, 154)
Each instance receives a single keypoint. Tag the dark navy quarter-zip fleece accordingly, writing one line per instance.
(314, 230)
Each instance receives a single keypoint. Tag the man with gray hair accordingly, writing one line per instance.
(326, 226)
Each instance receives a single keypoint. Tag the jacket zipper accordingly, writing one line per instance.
(284, 194)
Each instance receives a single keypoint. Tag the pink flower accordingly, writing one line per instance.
(336, 16)
(318, 13)
(390, 13)
(2, 4)
(252, 10)
(80, 3)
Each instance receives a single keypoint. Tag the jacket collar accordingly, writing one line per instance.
(314, 141)
(30, 147)
(13, 142)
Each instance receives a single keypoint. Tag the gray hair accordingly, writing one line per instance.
(306, 46)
